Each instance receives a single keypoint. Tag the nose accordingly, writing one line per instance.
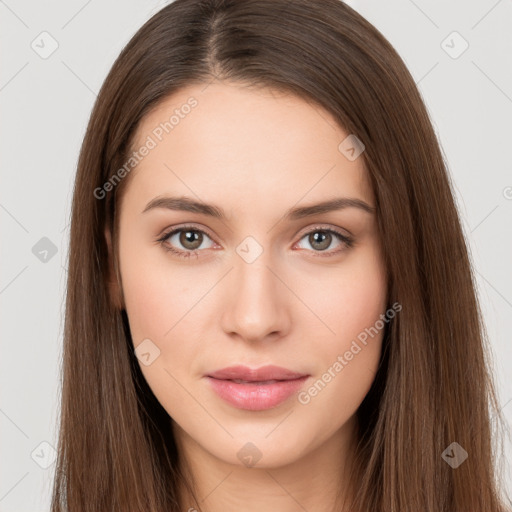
(257, 302)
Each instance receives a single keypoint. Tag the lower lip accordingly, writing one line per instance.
(256, 397)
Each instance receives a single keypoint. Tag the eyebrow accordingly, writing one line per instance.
(187, 204)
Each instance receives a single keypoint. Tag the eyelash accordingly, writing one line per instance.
(346, 240)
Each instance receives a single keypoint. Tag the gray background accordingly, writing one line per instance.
(46, 103)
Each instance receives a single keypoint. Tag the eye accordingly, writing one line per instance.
(320, 239)
(191, 239)
(188, 237)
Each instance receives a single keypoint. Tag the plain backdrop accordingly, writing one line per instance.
(55, 56)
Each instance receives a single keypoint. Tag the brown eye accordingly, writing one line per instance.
(185, 241)
(320, 240)
(190, 239)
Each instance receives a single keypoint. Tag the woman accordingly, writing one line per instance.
(270, 303)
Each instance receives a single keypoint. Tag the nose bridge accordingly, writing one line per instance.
(256, 305)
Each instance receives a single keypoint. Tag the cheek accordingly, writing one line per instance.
(149, 304)
(164, 303)
(348, 353)
(158, 306)
(156, 298)
(347, 299)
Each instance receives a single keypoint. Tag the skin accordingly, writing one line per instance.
(255, 153)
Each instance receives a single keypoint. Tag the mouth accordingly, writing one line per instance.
(255, 389)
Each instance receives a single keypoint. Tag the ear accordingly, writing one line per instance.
(114, 285)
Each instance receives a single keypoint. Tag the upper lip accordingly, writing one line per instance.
(263, 373)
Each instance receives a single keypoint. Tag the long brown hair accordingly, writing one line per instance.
(116, 451)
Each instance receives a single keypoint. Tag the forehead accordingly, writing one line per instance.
(226, 142)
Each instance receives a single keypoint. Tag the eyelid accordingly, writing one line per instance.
(325, 227)
(168, 231)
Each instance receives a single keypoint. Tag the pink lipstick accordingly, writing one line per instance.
(255, 389)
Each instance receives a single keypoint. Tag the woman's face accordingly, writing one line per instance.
(259, 276)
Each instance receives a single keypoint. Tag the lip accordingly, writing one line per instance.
(262, 388)
(269, 372)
